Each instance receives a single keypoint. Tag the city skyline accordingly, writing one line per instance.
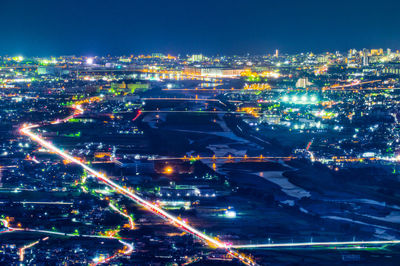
(207, 132)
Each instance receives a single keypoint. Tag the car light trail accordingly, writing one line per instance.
(13, 229)
(188, 99)
(121, 190)
(306, 244)
(227, 158)
(22, 250)
(26, 130)
(194, 112)
(128, 251)
(129, 246)
(131, 223)
(137, 115)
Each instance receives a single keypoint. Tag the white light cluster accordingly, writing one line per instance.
(300, 100)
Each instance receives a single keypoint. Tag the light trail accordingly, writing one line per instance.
(215, 158)
(348, 86)
(42, 202)
(120, 189)
(187, 99)
(5, 223)
(131, 223)
(129, 250)
(26, 130)
(63, 234)
(197, 112)
(137, 115)
(22, 250)
(130, 247)
(203, 89)
(181, 99)
(13, 229)
(307, 244)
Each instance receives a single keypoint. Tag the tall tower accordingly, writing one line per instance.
(276, 53)
(365, 59)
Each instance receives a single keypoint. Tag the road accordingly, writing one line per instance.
(231, 249)
(308, 244)
(27, 130)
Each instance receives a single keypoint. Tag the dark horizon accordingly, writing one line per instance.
(54, 28)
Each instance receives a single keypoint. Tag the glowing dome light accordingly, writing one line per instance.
(285, 98)
(304, 98)
(294, 98)
(89, 61)
(313, 98)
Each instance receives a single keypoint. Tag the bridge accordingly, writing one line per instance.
(231, 158)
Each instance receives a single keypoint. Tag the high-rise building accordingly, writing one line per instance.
(352, 52)
(276, 53)
(365, 59)
(197, 58)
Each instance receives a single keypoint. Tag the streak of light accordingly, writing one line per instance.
(26, 130)
(131, 222)
(305, 244)
(22, 250)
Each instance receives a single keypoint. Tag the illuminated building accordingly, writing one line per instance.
(376, 52)
(157, 55)
(214, 72)
(392, 69)
(197, 58)
(303, 83)
(365, 59)
(42, 70)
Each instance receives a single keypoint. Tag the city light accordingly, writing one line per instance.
(168, 170)
(230, 214)
(200, 149)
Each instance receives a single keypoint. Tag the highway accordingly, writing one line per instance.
(308, 244)
(22, 250)
(129, 247)
(128, 251)
(188, 99)
(231, 249)
(193, 112)
(27, 130)
(228, 158)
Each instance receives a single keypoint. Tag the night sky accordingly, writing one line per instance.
(122, 27)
